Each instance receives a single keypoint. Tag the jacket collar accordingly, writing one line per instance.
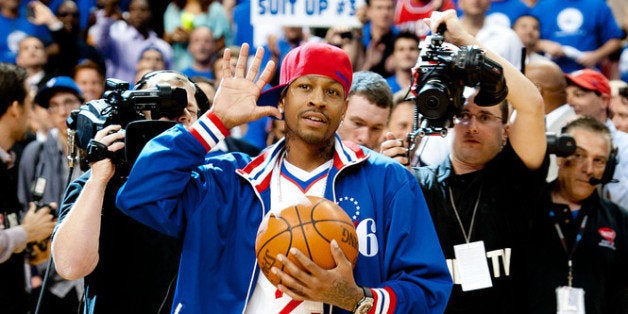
(445, 169)
(259, 170)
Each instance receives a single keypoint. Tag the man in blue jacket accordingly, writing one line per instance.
(217, 207)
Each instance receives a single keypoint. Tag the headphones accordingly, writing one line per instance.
(201, 99)
(609, 170)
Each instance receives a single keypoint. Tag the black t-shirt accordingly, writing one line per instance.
(506, 190)
(137, 265)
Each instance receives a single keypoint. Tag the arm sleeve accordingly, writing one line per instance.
(11, 240)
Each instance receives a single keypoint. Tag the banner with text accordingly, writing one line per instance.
(315, 13)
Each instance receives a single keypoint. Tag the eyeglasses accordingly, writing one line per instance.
(68, 105)
(64, 14)
(482, 117)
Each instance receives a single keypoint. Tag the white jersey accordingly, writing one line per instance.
(289, 186)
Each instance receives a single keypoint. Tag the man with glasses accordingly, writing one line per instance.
(46, 160)
(479, 197)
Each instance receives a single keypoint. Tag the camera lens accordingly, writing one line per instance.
(433, 100)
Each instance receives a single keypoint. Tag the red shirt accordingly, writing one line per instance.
(409, 14)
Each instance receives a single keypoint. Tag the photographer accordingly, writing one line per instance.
(479, 197)
(128, 267)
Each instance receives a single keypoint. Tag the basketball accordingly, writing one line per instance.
(309, 227)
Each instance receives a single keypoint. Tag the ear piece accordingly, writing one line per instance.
(280, 110)
(609, 170)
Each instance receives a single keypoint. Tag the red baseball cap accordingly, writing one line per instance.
(310, 58)
(591, 80)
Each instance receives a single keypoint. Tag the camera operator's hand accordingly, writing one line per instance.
(38, 224)
(395, 149)
(455, 33)
(113, 137)
(235, 102)
(526, 134)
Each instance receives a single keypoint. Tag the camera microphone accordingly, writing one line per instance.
(594, 181)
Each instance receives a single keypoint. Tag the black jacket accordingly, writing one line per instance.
(600, 264)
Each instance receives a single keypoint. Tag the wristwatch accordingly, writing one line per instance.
(364, 305)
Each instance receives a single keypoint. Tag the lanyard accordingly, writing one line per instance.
(475, 209)
(561, 236)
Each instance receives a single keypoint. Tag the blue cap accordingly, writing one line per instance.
(54, 85)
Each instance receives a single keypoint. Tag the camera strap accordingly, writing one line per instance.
(97, 151)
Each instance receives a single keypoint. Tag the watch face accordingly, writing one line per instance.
(365, 306)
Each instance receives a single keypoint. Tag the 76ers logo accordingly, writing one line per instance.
(608, 237)
(365, 228)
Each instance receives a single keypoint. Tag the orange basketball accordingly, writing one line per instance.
(309, 228)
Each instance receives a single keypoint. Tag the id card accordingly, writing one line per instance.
(569, 300)
(473, 270)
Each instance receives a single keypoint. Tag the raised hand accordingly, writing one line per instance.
(235, 102)
(455, 33)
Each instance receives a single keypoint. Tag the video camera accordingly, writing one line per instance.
(561, 145)
(122, 106)
(439, 79)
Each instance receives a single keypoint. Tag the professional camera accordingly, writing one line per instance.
(122, 106)
(440, 77)
(561, 145)
(125, 107)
